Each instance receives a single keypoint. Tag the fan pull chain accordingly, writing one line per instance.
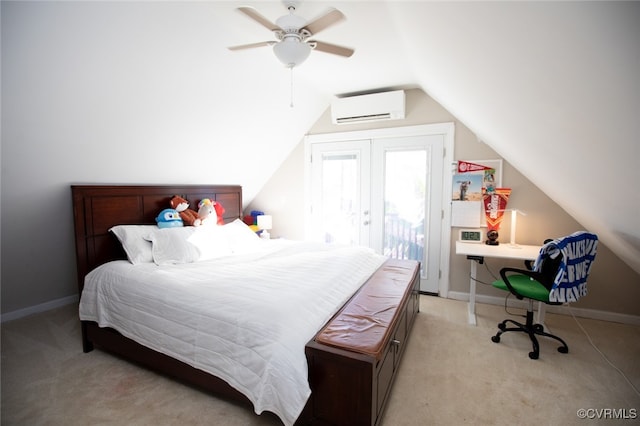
(291, 101)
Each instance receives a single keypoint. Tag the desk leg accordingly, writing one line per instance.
(541, 312)
(472, 293)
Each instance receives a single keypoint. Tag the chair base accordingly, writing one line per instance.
(532, 330)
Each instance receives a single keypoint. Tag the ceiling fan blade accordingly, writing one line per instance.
(330, 18)
(253, 14)
(331, 48)
(252, 45)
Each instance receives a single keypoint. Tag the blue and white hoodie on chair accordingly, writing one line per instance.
(578, 252)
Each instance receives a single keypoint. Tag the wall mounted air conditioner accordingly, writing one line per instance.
(365, 108)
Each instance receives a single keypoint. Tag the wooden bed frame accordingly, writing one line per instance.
(348, 387)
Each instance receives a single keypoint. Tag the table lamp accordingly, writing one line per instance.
(265, 223)
(514, 214)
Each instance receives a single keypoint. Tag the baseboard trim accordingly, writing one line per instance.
(558, 309)
(455, 295)
(53, 304)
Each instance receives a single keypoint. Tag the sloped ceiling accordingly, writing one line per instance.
(551, 86)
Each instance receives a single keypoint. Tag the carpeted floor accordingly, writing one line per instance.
(451, 374)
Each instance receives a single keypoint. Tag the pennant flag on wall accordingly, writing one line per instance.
(466, 167)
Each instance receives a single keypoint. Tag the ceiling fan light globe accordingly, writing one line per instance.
(291, 52)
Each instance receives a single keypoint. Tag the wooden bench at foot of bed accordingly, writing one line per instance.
(354, 359)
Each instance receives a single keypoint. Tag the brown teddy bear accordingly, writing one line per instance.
(188, 216)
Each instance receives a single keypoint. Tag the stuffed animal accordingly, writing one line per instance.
(189, 216)
(211, 211)
(206, 212)
(219, 212)
(169, 218)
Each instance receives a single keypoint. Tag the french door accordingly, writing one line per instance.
(341, 204)
(384, 193)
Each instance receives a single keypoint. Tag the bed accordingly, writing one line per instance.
(349, 362)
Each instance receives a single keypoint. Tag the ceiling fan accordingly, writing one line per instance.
(293, 44)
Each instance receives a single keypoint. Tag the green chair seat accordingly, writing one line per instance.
(525, 286)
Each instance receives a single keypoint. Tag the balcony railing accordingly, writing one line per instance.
(402, 239)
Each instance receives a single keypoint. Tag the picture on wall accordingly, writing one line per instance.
(467, 187)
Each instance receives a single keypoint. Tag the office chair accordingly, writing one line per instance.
(558, 276)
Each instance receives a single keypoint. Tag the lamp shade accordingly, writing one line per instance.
(291, 51)
(265, 221)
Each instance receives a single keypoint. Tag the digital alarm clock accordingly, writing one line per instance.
(471, 235)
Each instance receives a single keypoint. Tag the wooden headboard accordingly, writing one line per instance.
(96, 208)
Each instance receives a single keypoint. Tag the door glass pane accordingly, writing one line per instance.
(340, 198)
(404, 204)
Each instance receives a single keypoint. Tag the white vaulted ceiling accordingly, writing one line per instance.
(552, 87)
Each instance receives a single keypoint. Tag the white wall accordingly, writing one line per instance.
(122, 92)
(69, 116)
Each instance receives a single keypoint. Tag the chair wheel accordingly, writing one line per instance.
(495, 339)
(533, 355)
(563, 349)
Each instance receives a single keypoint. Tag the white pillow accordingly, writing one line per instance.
(171, 246)
(132, 238)
(240, 236)
(211, 241)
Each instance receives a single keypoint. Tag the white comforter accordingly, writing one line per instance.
(243, 318)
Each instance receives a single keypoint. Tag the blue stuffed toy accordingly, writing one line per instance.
(169, 218)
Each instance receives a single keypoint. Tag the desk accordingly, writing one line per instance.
(476, 252)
